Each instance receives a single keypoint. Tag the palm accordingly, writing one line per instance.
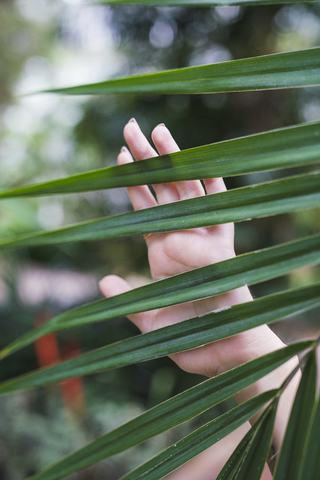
(177, 252)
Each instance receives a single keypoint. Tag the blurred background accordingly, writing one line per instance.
(45, 43)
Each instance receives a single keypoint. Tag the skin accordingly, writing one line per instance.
(177, 252)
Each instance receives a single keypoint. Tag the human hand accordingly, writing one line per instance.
(177, 252)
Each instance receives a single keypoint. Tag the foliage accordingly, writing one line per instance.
(297, 146)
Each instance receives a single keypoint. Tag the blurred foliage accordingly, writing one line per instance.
(45, 43)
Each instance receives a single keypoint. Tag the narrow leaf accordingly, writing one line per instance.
(289, 461)
(281, 70)
(266, 199)
(173, 338)
(234, 462)
(283, 148)
(193, 3)
(198, 441)
(310, 458)
(249, 458)
(199, 283)
(171, 413)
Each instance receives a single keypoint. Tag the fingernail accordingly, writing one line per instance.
(132, 120)
(161, 125)
(124, 149)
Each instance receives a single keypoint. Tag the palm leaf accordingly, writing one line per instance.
(283, 148)
(273, 150)
(289, 462)
(179, 337)
(281, 70)
(271, 198)
(195, 443)
(199, 283)
(310, 459)
(171, 413)
(192, 3)
(249, 458)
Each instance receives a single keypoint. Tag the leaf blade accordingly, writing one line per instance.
(203, 282)
(289, 462)
(195, 3)
(198, 441)
(282, 148)
(310, 458)
(249, 458)
(270, 198)
(181, 336)
(171, 412)
(280, 70)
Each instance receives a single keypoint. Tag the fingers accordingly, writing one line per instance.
(138, 144)
(165, 144)
(141, 149)
(214, 185)
(140, 196)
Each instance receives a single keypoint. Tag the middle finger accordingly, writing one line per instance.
(165, 144)
(141, 149)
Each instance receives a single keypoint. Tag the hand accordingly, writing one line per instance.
(176, 252)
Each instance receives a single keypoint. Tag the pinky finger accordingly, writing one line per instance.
(140, 196)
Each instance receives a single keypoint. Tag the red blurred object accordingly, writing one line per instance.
(48, 354)
(47, 349)
(73, 388)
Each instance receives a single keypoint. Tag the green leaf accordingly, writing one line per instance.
(249, 458)
(234, 462)
(271, 198)
(199, 283)
(198, 441)
(193, 3)
(289, 461)
(172, 412)
(173, 338)
(281, 70)
(310, 458)
(283, 148)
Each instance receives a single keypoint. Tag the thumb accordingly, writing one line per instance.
(112, 285)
